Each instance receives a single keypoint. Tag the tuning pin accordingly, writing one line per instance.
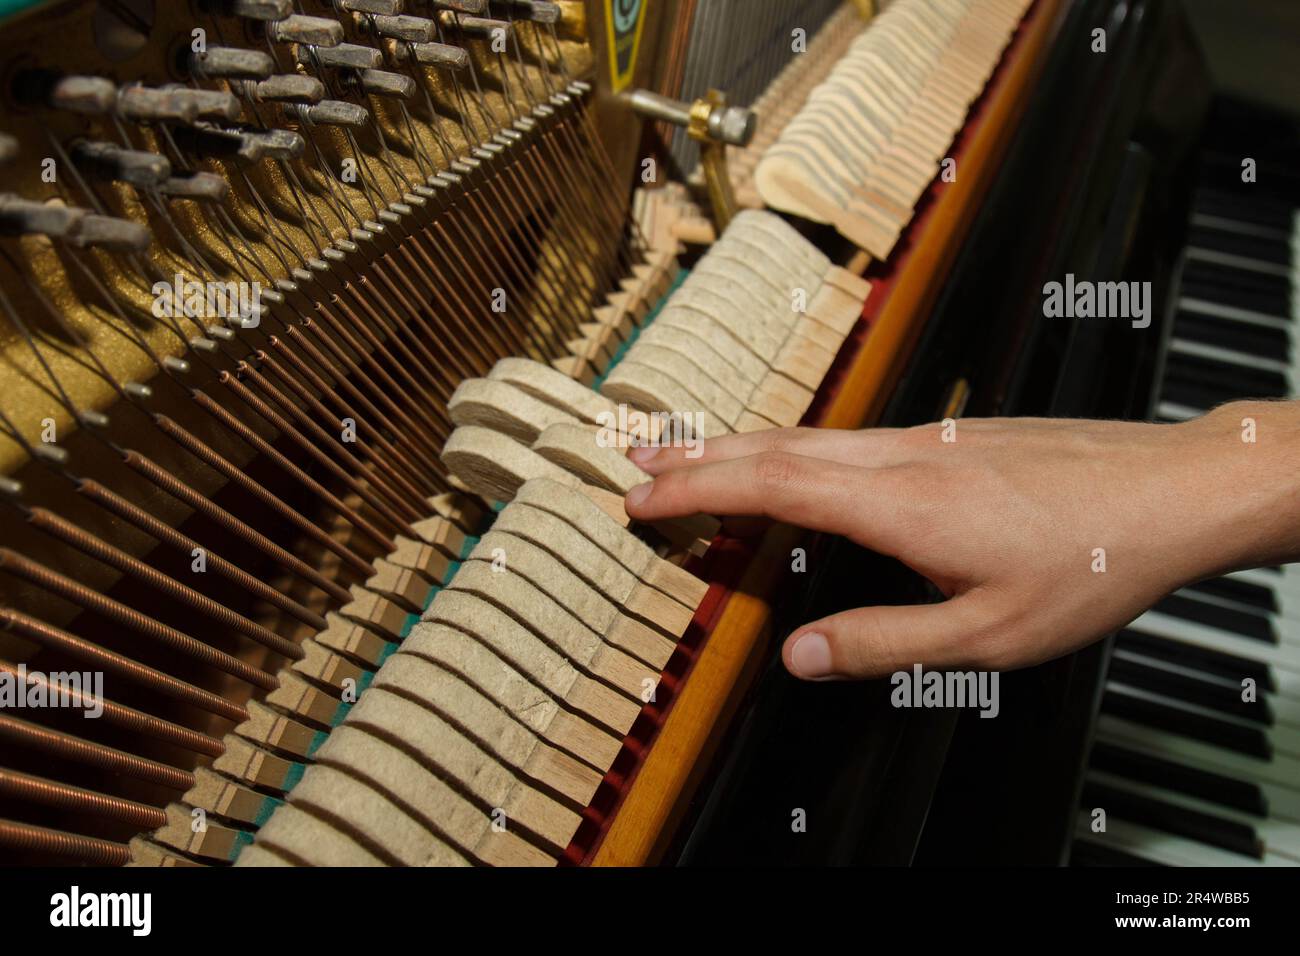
(462, 6)
(108, 232)
(258, 9)
(535, 10)
(410, 29)
(440, 55)
(383, 7)
(210, 104)
(286, 88)
(146, 105)
(133, 166)
(8, 147)
(382, 83)
(89, 95)
(232, 62)
(480, 28)
(91, 418)
(220, 144)
(21, 217)
(342, 56)
(313, 31)
(51, 453)
(202, 187)
(329, 113)
(279, 143)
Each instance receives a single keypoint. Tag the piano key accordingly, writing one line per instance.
(1257, 340)
(1235, 243)
(1281, 623)
(1216, 788)
(1251, 833)
(1179, 707)
(1235, 362)
(1238, 303)
(1163, 848)
(1184, 684)
(1284, 656)
(1247, 210)
(1282, 771)
(1239, 591)
(1236, 381)
(1254, 626)
(1247, 263)
(1208, 220)
(1137, 805)
(1166, 714)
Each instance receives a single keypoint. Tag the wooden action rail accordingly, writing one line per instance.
(643, 821)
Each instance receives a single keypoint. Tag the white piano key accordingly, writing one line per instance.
(1233, 313)
(1245, 263)
(1224, 224)
(1283, 656)
(1164, 848)
(1278, 835)
(1284, 739)
(1224, 356)
(1282, 772)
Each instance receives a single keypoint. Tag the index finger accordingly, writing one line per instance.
(810, 492)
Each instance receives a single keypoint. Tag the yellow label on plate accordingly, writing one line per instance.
(623, 22)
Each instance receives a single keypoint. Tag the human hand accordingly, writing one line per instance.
(1044, 534)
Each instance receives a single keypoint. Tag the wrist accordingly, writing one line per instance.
(1246, 459)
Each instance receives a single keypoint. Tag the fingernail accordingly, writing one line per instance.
(642, 453)
(810, 657)
(638, 494)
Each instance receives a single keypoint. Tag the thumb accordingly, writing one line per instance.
(876, 641)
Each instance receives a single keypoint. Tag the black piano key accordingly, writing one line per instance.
(1193, 824)
(1204, 785)
(1271, 251)
(1224, 698)
(1244, 592)
(1256, 291)
(1220, 374)
(1254, 626)
(1264, 342)
(1087, 853)
(1236, 206)
(1195, 369)
(1227, 666)
(1250, 741)
(1200, 397)
(1265, 303)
